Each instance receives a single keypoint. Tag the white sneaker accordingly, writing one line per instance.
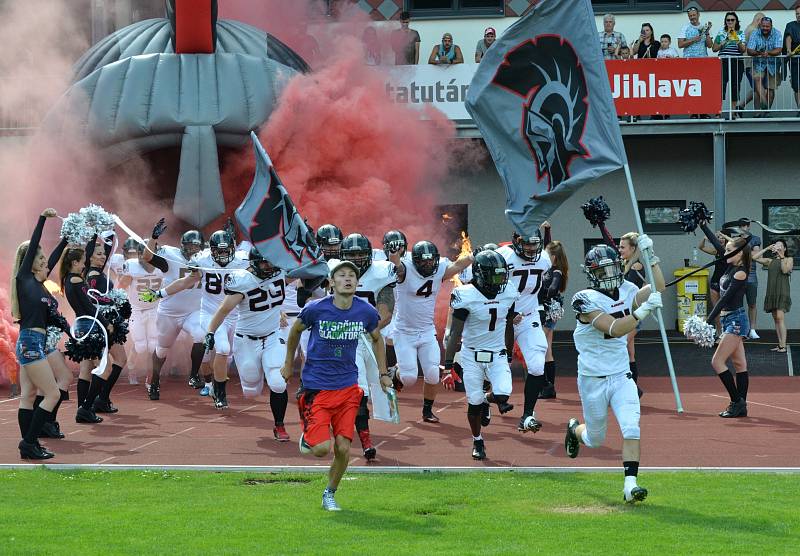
(304, 446)
(133, 379)
(634, 494)
(753, 335)
(329, 502)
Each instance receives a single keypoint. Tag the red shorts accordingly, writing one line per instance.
(323, 410)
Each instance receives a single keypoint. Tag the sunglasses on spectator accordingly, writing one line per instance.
(489, 35)
(731, 19)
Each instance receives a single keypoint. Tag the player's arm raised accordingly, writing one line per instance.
(458, 266)
(292, 341)
(185, 283)
(385, 306)
(399, 265)
(646, 244)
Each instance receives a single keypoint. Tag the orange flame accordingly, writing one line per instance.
(52, 287)
(466, 249)
(446, 217)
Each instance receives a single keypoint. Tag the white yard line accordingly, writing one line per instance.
(181, 432)
(102, 461)
(143, 446)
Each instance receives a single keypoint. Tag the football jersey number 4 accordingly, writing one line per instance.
(426, 289)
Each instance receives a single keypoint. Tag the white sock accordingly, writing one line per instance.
(585, 438)
(209, 384)
(630, 483)
(479, 437)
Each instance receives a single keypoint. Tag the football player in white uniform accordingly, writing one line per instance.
(606, 313)
(216, 264)
(419, 279)
(142, 273)
(526, 267)
(395, 245)
(178, 312)
(483, 316)
(376, 283)
(258, 294)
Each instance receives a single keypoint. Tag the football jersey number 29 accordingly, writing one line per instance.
(260, 299)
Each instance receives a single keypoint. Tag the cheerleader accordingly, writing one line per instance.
(554, 283)
(634, 273)
(34, 307)
(735, 327)
(97, 279)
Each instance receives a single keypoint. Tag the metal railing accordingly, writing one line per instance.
(760, 87)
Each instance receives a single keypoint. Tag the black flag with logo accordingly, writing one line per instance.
(543, 104)
(269, 220)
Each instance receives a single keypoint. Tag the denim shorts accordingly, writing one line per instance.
(550, 325)
(736, 322)
(31, 346)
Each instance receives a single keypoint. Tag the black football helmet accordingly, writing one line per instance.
(223, 248)
(357, 249)
(527, 247)
(603, 267)
(192, 242)
(425, 257)
(130, 245)
(490, 273)
(392, 240)
(262, 268)
(491, 247)
(329, 239)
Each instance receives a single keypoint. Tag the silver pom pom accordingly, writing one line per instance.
(75, 229)
(699, 331)
(554, 310)
(98, 219)
(118, 297)
(53, 338)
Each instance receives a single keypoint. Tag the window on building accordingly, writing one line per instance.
(783, 214)
(604, 6)
(440, 8)
(661, 217)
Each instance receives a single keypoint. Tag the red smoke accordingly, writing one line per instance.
(9, 333)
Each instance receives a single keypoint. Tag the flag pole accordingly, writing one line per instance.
(649, 272)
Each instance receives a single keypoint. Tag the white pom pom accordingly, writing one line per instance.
(118, 296)
(75, 229)
(699, 331)
(554, 310)
(98, 219)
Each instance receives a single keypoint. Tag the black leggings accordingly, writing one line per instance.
(733, 70)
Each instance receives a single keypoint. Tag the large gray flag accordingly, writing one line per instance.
(269, 220)
(542, 101)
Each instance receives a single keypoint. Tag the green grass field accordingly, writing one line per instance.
(154, 512)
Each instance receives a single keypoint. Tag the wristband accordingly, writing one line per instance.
(641, 313)
(448, 366)
(162, 293)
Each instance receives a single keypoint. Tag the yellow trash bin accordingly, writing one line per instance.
(692, 295)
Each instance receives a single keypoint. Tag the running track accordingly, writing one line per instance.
(184, 429)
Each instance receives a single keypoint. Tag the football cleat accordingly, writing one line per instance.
(429, 416)
(205, 390)
(636, 494)
(571, 443)
(478, 450)
(529, 423)
(329, 502)
(196, 382)
(154, 392)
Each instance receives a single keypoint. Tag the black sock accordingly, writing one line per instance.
(634, 371)
(730, 385)
(208, 378)
(278, 403)
(427, 405)
(391, 356)
(95, 387)
(362, 417)
(64, 396)
(83, 389)
(40, 417)
(533, 386)
(36, 401)
(742, 383)
(24, 417)
(198, 351)
(631, 468)
(219, 388)
(550, 372)
(105, 394)
(474, 421)
(155, 375)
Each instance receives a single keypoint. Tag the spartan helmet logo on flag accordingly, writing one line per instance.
(547, 74)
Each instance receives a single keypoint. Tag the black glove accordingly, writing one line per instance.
(159, 228)
(229, 227)
(209, 341)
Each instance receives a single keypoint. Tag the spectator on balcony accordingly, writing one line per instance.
(791, 38)
(489, 36)
(646, 46)
(625, 53)
(611, 42)
(405, 42)
(694, 38)
(730, 43)
(748, 64)
(446, 53)
(667, 50)
(764, 46)
(778, 299)
(372, 47)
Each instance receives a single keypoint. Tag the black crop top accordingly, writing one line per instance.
(77, 296)
(551, 284)
(635, 277)
(37, 306)
(731, 291)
